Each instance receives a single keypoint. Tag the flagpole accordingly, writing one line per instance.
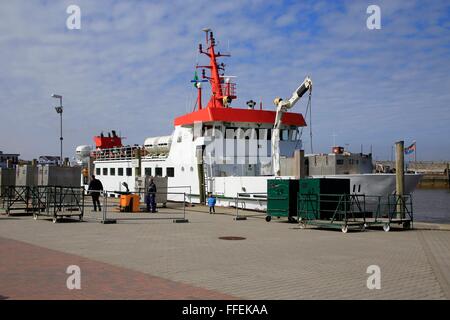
(415, 151)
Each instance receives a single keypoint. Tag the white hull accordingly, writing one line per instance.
(252, 190)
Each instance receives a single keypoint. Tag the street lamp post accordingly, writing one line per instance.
(59, 110)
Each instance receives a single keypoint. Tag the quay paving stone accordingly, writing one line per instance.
(277, 260)
(32, 272)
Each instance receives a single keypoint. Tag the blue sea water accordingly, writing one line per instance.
(431, 205)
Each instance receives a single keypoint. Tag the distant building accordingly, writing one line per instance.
(51, 160)
(4, 157)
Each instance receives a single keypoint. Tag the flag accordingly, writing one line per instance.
(411, 148)
(195, 81)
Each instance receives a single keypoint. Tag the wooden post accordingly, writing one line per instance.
(299, 164)
(302, 164)
(448, 175)
(400, 178)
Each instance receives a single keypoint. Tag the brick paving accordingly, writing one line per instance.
(32, 272)
(276, 261)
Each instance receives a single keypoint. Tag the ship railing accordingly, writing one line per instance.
(136, 206)
(122, 153)
(228, 89)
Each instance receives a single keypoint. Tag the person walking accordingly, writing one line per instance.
(151, 197)
(211, 203)
(95, 187)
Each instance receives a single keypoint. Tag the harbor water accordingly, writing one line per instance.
(431, 205)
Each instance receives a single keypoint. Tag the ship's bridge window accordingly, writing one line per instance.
(218, 132)
(207, 131)
(97, 171)
(340, 161)
(258, 134)
(284, 135)
(158, 172)
(230, 133)
(112, 171)
(148, 171)
(250, 133)
(129, 172)
(294, 135)
(170, 171)
(105, 171)
(120, 171)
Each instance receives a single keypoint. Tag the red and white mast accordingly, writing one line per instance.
(222, 94)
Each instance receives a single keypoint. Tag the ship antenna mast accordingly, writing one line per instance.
(222, 94)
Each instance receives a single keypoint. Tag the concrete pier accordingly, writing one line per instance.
(159, 259)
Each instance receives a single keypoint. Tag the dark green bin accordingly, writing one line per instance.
(318, 198)
(282, 198)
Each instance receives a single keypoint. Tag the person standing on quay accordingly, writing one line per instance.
(151, 197)
(95, 187)
(211, 203)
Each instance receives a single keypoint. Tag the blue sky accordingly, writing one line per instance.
(129, 68)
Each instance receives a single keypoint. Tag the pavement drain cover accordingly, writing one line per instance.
(231, 238)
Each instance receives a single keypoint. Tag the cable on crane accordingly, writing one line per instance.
(308, 109)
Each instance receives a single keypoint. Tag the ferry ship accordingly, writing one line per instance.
(227, 150)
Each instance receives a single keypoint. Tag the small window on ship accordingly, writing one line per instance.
(170, 172)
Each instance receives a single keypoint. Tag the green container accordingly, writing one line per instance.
(282, 198)
(319, 198)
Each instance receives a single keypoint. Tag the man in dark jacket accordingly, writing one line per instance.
(95, 186)
(151, 197)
